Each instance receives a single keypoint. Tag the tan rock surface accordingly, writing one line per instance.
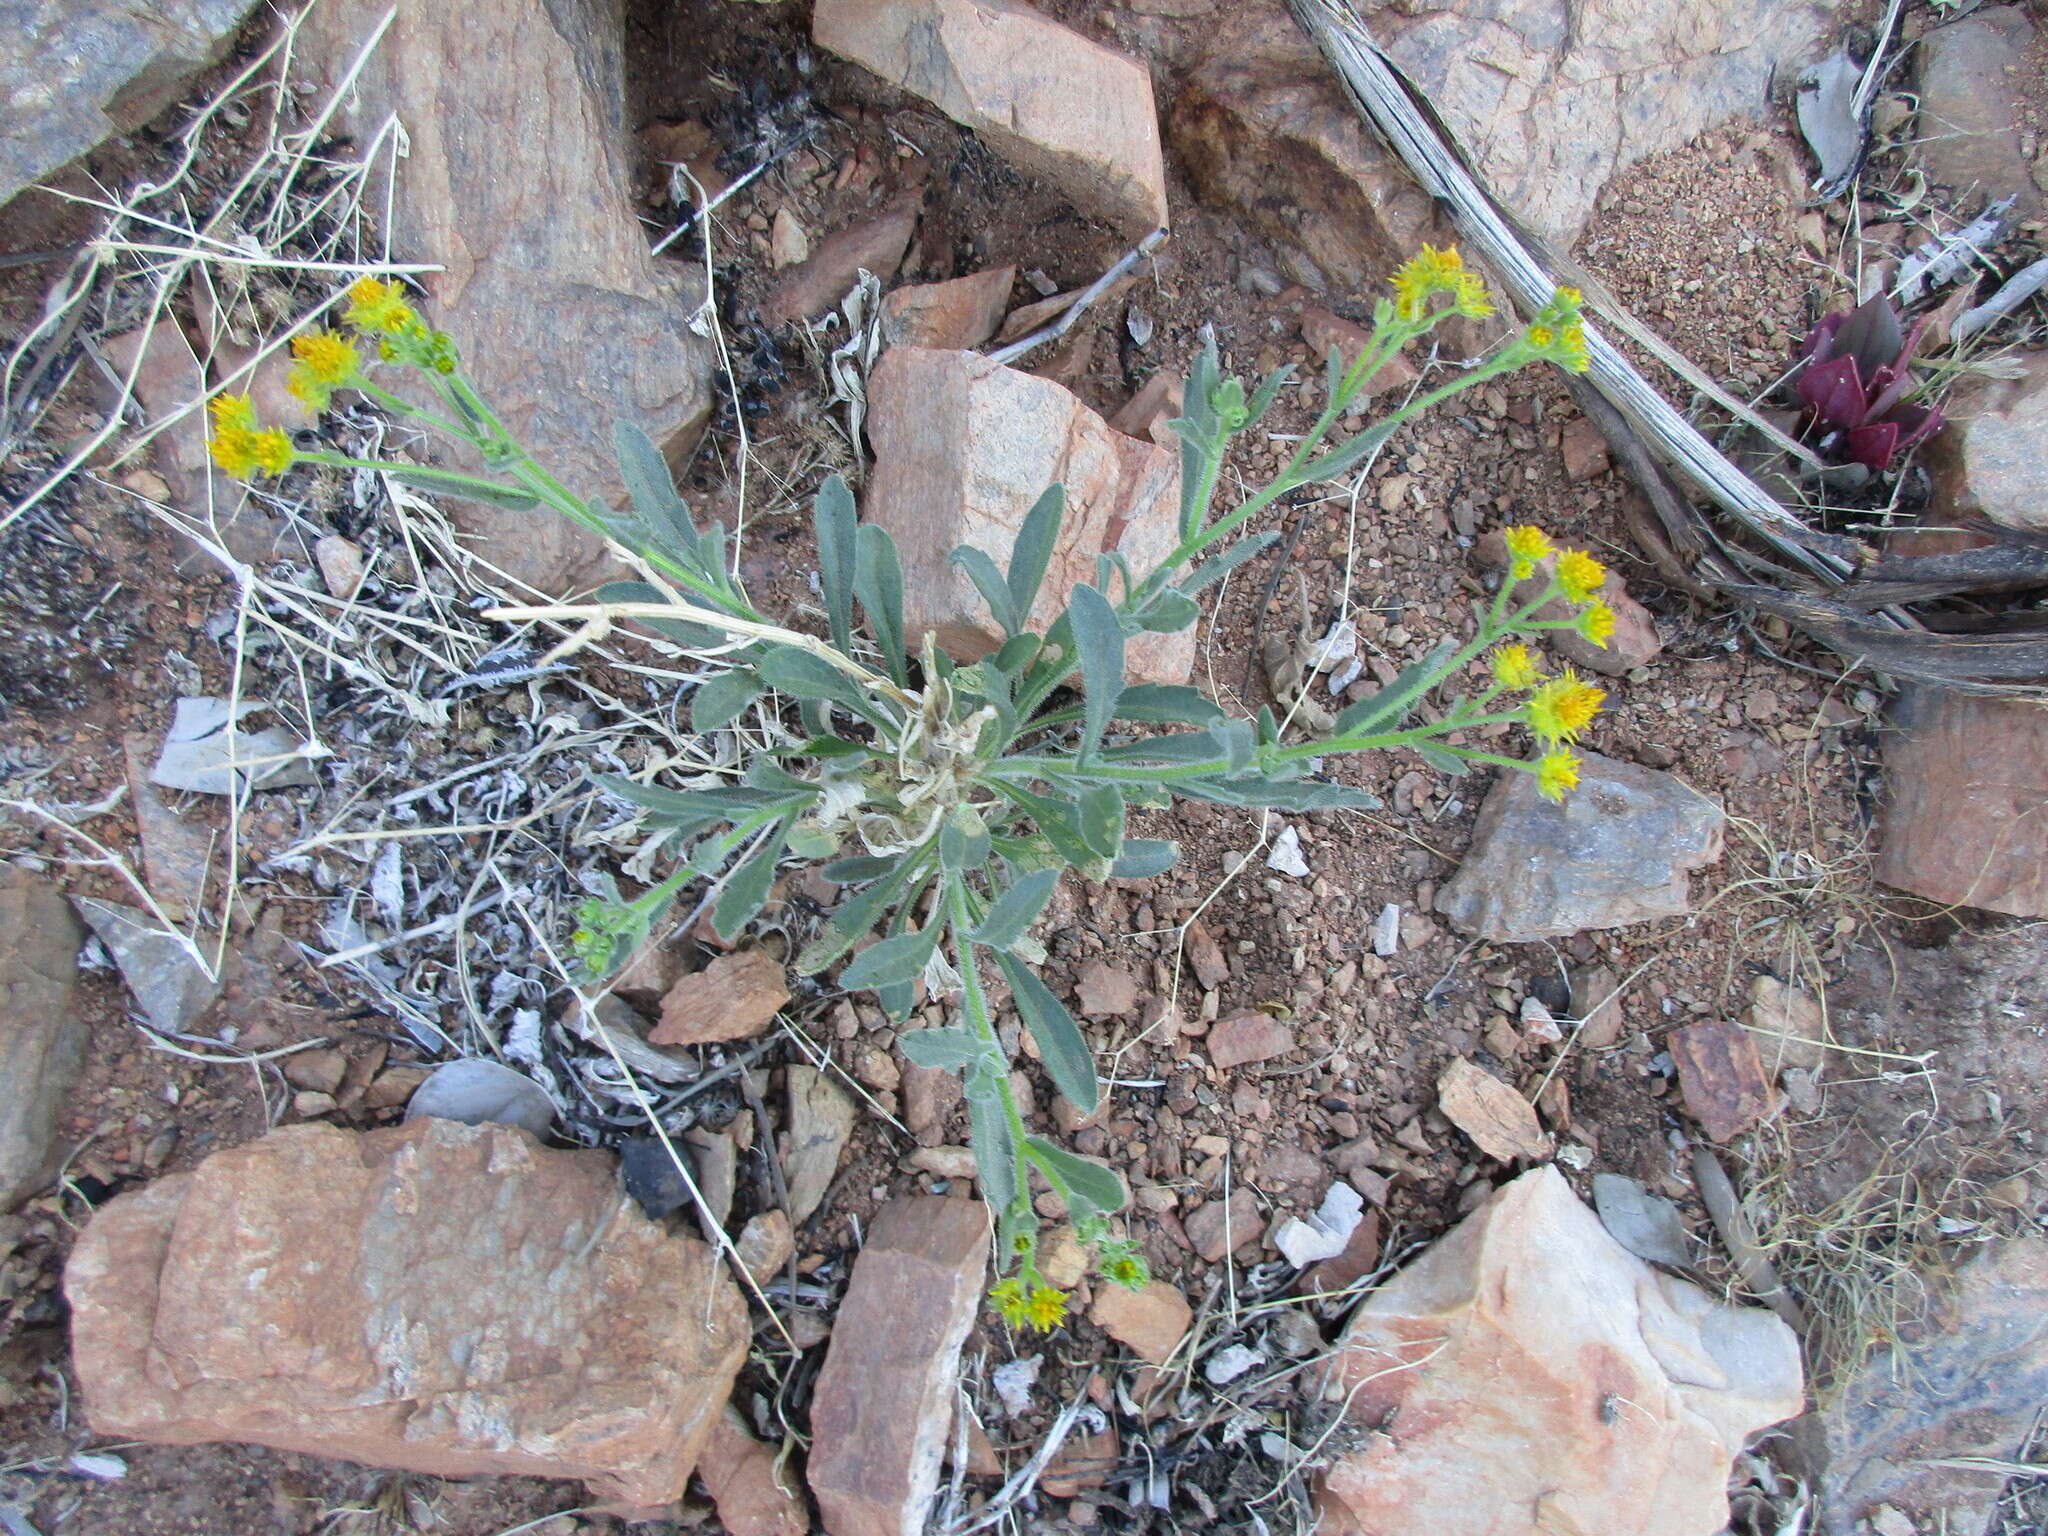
(449, 1299)
(1501, 1123)
(1060, 107)
(963, 449)
(525, 196)
(1248, 1037)
(884, 1400)
(755, 1497)
(1722, 1076)
(42, 1041)
(1150, 1323)
(1545, 1380)
(735, 997)
(1966, 781)
(1987, 461)
(950, 316)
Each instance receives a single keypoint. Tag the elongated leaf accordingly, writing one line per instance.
(1061, 1046)
(1197, 454)
(747, 891)
(1011, 915)
(1102, 819)
(1168, 613)
(720, 700)
(1144, 857)
(1240, 741)
(1347, 456)
(1099, 636)
(698, 806)
(468, 487)
(653, 490)
(995, 1148)
(1442, 759)
(684, 632)
(855, 918)
(988, 581)
(1268, 392)
(947, 1050)
(878, 581)
(1031, 555)
(1180, 747)
(832, 516)
(1214, 570)
(802, 675)
(894, 961)
(1385, 710)
(1167, 704)
(1091, 1184)
(1278, 794)
(1058, 823)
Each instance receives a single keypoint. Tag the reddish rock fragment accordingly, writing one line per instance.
(1225, 1227)
(1150, 1323)
(875, 245)
(1206, 956)
(951, 316)
(1327, 332)
(1105, 991)
(884, 1400)
(1501, 1123)
(450, 1299)
(1722, 1076)
(754, 1496)
(1248, 1037)
(735, 997)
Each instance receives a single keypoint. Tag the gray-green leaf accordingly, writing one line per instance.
(1067, 1059)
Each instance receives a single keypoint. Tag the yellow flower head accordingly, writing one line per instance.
(1563, 707)
(1526, 546)
(1514, 667)
(375, 305)
(1469, 297)
(1127, 1270)
(1556, 773)
(1010, 1301)
(1572, 355)
(1597, 622)
(1045, 1309)
(232, 413)
(1579, 575)
(1430, 273)
(1541, 337)
(327, 357)
(273, 451)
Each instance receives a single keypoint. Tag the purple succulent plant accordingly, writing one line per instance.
(1854, 383)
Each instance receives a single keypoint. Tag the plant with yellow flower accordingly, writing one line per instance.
(949, 798)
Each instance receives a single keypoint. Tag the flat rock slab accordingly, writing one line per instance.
(1538, 1379)
(959, 313)
(42, 1042)
(883, 1408)
(1966, 784)
(1056, 105)
(1972, 109)
(1501, 1123)
(524, 196)
(450, 1299)
(1987, 462)
(77, 72)
(166, 980)
(964, 447)
(1617, 851)
(733, 998)
(1969, 1380)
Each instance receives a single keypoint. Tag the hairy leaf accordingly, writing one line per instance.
(1031, 555)
(1092, 1187)
(855, 917)
(988, 581)
(720, 700)
(1167, 704)
(878, 582)
(995, 1148)
(1061, 1046)
(832, 515)
(947, 1050)
(746, 892)
(684, 632)
(1102, 818)
(1012, 913)
(1144, 857)
(653, 491)
(1099, 636)
(1214, 570)
(894, 961)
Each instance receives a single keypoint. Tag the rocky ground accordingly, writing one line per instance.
(1780, 940)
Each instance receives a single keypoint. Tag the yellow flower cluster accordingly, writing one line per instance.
(242, 447)
(324, 363)
(1037, 1305)
(1514, 667)
(1562, 708)
(377, 307)
(1526, 546)
(1435, 272)
(1559, 334)
(1557, 773)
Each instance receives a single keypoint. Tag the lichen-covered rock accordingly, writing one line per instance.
(42, 1041)
(1527, 1376)
(1617, 851)
(444, 1298)
(76, 72)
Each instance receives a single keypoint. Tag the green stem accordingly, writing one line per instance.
(975, 1005)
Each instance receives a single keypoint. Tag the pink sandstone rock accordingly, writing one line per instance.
(1528, 1376)
(449, 1299)
(963, 449)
